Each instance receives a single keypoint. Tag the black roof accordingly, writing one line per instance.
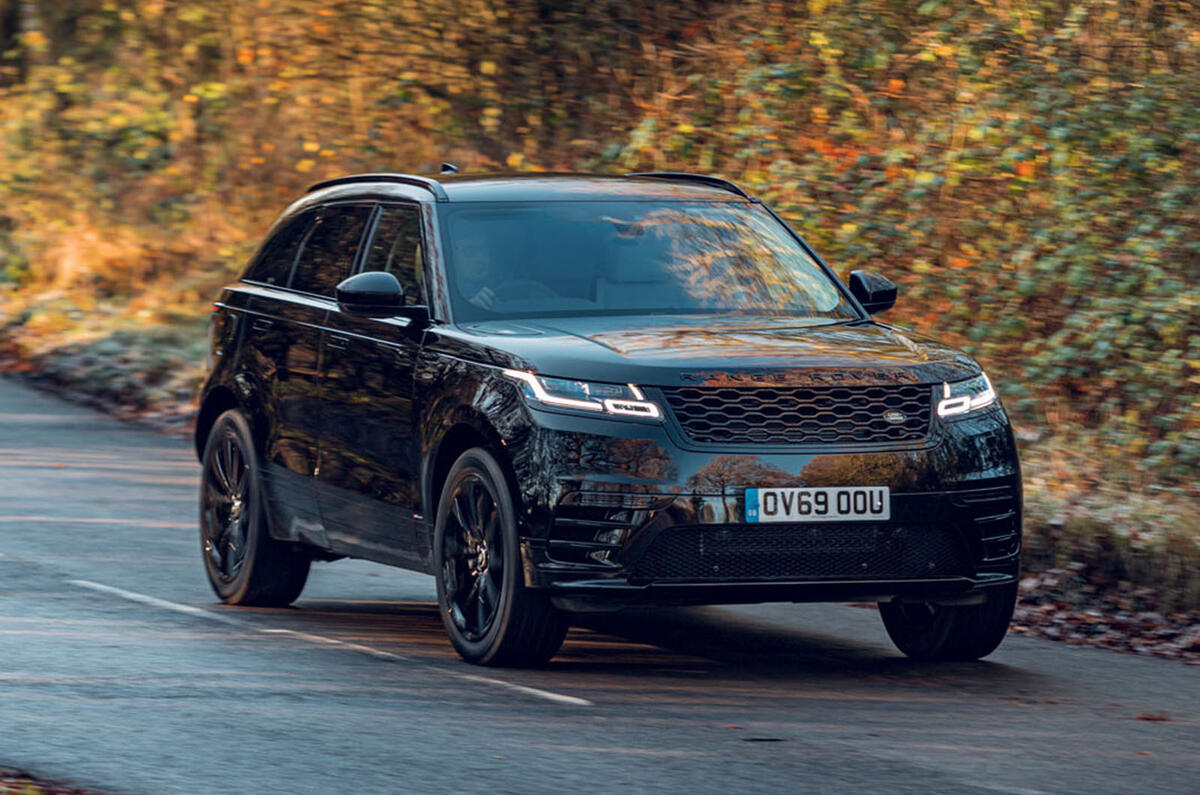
(562, 187)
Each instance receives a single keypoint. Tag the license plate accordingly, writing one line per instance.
(834, 504)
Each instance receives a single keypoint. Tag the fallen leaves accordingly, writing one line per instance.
(1108, 621)
(1155, 717)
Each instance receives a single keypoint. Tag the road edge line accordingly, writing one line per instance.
(197, 612)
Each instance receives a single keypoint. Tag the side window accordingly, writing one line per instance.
(328, 252)
(274, 263)
(396, 248)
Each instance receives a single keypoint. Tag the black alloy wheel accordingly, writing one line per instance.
(929, 631)
(244, 564)
(473, 557)
(223, 506)
(489, 614)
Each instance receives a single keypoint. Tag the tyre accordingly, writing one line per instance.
(489, 614)
(245, 566)
(926, 631)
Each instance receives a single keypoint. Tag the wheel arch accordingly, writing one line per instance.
(467, 429)
(216, 402)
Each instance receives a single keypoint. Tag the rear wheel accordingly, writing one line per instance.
(927, 631)
(245, 566)
(489, 614)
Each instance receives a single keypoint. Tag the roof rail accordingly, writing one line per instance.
(704, 179)
(428, 183)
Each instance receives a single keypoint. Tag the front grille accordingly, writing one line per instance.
(801, 415)
(724, 553)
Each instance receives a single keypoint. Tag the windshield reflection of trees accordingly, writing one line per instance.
(736, 261)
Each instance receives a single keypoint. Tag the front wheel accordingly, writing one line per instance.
(927, 631)
(489, 614)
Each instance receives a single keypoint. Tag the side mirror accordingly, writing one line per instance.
(876, 293)
(371, 294)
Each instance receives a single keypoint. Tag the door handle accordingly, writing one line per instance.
(337, 342)
(262, 324)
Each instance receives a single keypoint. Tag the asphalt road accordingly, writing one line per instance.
(120, 671)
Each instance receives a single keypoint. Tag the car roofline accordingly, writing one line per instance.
(433, 186)
(428, 183)
(703, 179)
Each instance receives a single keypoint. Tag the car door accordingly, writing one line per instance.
(325, 256)
(279, 355)
(369, 460)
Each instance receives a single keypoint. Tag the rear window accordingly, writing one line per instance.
(328, 253)
(275, 260)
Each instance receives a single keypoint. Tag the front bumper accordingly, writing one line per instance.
(620, 513)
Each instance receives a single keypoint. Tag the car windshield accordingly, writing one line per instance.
(538, 259)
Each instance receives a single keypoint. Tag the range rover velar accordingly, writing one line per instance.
(565, 393)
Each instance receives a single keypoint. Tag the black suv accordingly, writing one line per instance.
(564, 393)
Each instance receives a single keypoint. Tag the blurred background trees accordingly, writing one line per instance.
(1028, 171)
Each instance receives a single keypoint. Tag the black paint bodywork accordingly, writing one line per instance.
(359, 419)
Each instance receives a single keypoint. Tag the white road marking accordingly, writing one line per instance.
(196, 612)
(155, 602)
(1007, 789)
(558, 698)
(379, 653)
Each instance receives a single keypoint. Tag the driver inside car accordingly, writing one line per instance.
(476, 274)
(481, 280)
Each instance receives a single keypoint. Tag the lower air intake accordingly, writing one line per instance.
(732, 553)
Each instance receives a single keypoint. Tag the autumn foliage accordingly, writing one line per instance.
(1028, 171)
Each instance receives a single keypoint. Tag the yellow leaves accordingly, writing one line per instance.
(818, 39)
(311, 146)
(306, 165)
(515, 160)
(35, 40)
(819, 114)
(685, 128)
(487, 68)
(245, 55)
(191, 98)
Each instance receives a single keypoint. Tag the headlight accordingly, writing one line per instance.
(621, 399)
(963, 397)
